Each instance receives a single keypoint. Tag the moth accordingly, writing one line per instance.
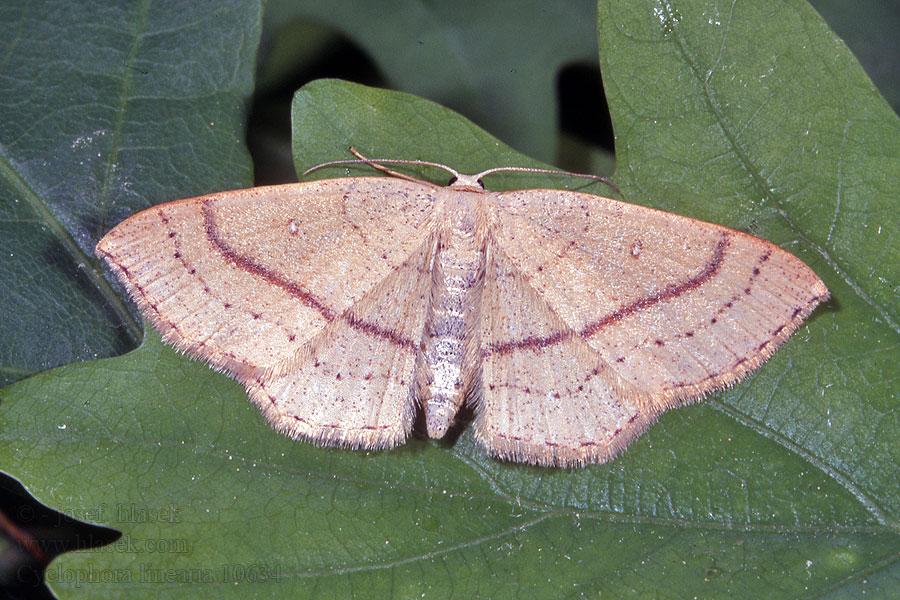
(567, 321)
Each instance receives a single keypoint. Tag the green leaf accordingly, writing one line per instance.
(104, 110)
(791, 141)
(785, 486)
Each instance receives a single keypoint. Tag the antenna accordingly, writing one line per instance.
(379, 164)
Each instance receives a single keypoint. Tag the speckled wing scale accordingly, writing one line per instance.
(570, 320)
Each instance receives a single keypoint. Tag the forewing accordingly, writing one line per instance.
(674, 306)
(244, 279)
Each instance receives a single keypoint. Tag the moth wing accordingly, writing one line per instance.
(244, 279)
(675, 306)
(657, 308)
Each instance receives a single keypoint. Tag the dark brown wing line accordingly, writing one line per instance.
(247, 264)
(672, 290)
